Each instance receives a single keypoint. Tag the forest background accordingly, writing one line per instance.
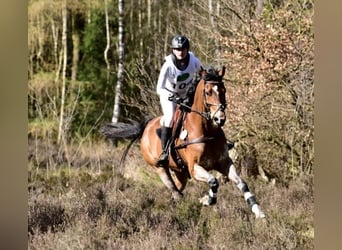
(82, 68)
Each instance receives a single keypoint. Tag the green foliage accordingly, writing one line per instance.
(92, 62)
(92, 76)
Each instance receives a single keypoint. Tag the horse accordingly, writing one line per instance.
(198, 143)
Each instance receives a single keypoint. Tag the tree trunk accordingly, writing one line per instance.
(107, 46)
(57, 54)
(131, 22)
(259, 8)
(64, 43)
(121, 69)
(54, 31)
(214, 28)
(149, 14)
(168, 20)
(141, 41)
(75, 55)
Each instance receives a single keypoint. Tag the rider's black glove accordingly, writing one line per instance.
(176, 99)
(186, 105)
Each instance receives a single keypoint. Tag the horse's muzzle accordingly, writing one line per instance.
(219, 120)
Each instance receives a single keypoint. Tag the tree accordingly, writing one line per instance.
(214, 27)
(65, 57)
(121, 69)
(259, 8)
(108, 43)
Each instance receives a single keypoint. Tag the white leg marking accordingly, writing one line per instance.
(201, 174)
(232, 175)
(247, 195)
(257, 211)
(212, 194)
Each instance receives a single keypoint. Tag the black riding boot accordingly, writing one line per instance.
(165, 136)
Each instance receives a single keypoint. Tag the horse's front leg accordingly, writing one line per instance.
(243, 187)
(200, 174)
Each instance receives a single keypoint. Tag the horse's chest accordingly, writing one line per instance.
(214, 160)
(213, 157)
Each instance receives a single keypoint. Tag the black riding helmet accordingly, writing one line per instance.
(180, 42)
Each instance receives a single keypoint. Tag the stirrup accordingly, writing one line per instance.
(163, 159)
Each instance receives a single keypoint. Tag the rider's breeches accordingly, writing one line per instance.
(168, 109)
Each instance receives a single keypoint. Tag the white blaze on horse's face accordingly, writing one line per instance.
(216, 102)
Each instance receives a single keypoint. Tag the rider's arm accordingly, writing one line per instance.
(162, 78)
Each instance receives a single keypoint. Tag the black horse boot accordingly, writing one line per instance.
(165, 136)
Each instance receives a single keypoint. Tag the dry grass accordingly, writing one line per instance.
(93, 207)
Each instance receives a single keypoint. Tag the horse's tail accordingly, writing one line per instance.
(120, 130)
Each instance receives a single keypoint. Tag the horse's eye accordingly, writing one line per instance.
(208, 93)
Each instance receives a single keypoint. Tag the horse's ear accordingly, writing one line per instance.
(202, 72)
(222, 71)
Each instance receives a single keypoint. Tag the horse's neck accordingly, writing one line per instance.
(198, 125)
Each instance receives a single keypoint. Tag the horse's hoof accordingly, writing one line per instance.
(207, 200)
(204, 200)
(258, 212)
(260, 215)
(177, 196)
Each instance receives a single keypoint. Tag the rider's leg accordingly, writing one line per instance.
(168, 109)
(166, 133)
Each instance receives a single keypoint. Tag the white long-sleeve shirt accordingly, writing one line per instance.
(174, 80)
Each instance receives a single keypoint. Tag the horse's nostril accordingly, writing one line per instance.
(219, 121)
(223, 121)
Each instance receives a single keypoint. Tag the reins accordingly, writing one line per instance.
(205, 115)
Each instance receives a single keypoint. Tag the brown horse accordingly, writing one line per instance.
(199, 144)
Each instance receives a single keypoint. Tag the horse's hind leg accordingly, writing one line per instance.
(180, 179)
(243, 187)
(166, 178)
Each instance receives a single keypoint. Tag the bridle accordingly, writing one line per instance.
(220, 106)
(207, 114)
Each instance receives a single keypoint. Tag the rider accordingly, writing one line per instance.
(177, 77)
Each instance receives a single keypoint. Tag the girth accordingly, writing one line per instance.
(194, 141)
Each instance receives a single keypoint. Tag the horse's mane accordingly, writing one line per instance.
(211, 74)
